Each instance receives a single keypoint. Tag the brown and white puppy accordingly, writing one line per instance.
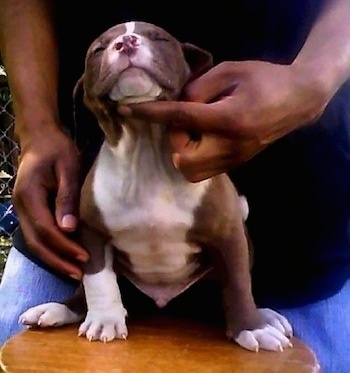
(136, 206)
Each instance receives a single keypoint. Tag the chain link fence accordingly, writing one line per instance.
(9, 151)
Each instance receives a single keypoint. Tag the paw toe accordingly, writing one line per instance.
(267, 338)
(104, 327)
(247, 340)
(277, 320)
(49, 314)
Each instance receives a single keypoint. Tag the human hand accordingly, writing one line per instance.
(49, 172)
(235, 111)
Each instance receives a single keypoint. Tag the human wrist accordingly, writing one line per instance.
(325, 54)
(30, 128)
(320, 75)
(314, 84)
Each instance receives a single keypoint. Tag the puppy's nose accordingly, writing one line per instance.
(128, 44)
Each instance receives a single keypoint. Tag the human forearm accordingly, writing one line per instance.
(325, 56)
(29, 51)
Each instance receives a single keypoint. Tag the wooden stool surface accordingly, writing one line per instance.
(155, 345)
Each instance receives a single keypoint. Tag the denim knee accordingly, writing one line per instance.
(25, 285)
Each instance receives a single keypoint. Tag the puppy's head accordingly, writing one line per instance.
(137, 61)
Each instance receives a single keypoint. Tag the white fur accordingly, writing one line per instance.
(148, 207)
(243, 203)
(274, 336)
(105, 319)
(135, 86)
(130, 27)
(49, 314)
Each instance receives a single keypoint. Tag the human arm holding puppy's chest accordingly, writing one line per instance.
(241, 107)
(49, 164)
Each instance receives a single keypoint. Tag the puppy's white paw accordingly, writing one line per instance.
(105, 325)
(274, 336)
(266, 338)
(277, 320)
(48, 315)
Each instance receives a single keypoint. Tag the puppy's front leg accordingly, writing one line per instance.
(105, 319)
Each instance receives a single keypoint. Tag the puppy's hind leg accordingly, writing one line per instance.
(54, 314)
(221, 230)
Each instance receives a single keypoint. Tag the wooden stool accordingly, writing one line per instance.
(156, 345)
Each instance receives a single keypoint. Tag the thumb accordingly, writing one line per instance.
(203, 159)
(189, 164)
(189, 161)
(67, 198)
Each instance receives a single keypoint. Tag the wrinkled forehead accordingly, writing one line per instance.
(147, 30)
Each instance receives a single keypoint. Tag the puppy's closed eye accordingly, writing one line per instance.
(98, 49)
(156, 36)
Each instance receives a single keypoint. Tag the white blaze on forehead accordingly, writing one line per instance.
(130, 27)
(129, 30)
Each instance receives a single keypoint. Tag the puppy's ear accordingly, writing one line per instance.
(78, 93)
(198, 59)
(78, 87)
(87, 133)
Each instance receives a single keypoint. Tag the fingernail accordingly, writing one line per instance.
(125, 111)
(69, 221)
(75, 276)
(82, 257)
(176, 160)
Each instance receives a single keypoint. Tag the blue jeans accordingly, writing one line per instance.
(324, 326)
(24, 285)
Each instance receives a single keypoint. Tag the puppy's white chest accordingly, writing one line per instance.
(139, 191)
(148, 209)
